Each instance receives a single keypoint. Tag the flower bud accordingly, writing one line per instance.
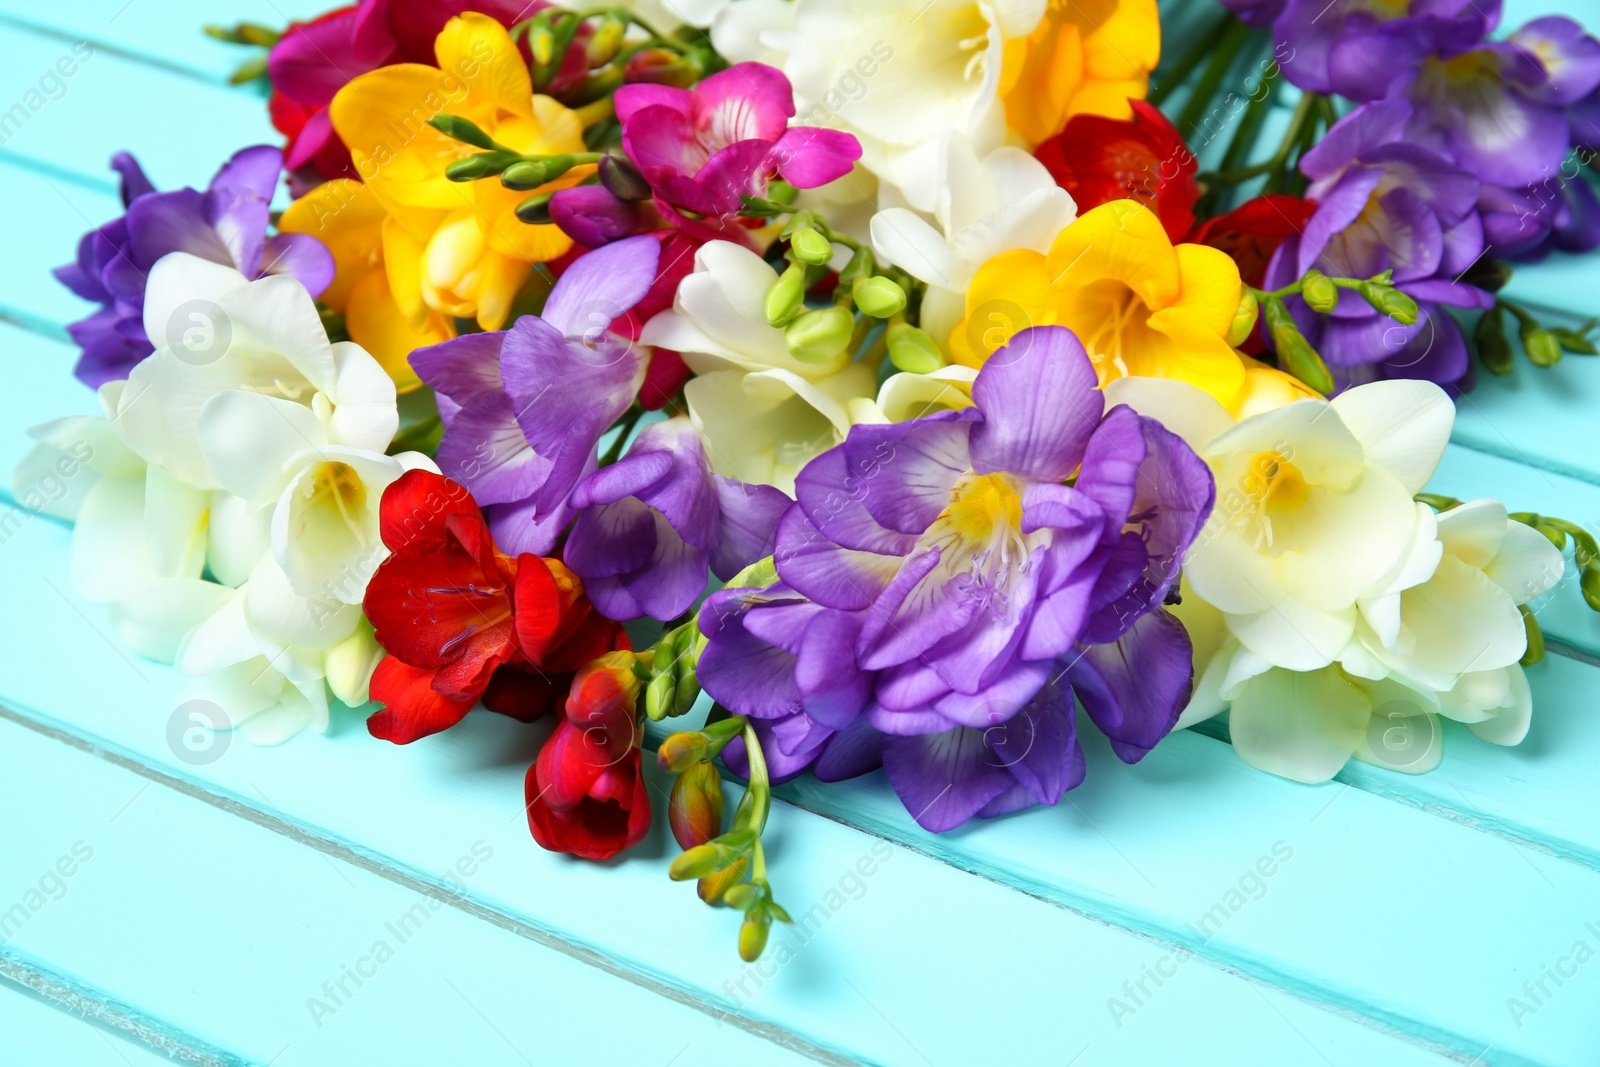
(713, 888)
(622, 178)
(787, 297)
(1244, 318)
(1391, 302)
(912, 350)
(863, 264)
(532, 173)
(1535, 650)
(1589, 584)
(1494, 348)
(683, 750)
(463, 130)
(1319, 292)
(810, 246)
(658, 66)
(694, 810)
(820, 336)
(1301, 360)
(878, 296)
(659, 697)
(482, 165)
(1543, 349)
(607, 41)
(687, 690)
(753, 934)
(715, 855)
(535, 210)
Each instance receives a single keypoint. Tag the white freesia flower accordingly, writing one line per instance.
(985, 205)
(935, 65)
(661, 15)
(763, 413)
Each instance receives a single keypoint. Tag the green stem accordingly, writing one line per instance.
(629, 421)
(1205, 90)
(1291, 138)
(760, 784)
(1185, 64)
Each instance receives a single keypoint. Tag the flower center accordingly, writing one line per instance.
(337, 487)
(1273, 488)
(1104, 337)
(983, 505)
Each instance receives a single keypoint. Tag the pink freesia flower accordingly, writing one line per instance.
(701, 149)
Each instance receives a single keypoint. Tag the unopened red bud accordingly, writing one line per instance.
(694, 809)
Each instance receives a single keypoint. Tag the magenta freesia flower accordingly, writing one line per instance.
(702, 148)
(945, 586)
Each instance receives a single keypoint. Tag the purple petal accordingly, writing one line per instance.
(601, 286)
(1039, 402)
(592, 216)
(748, 100)
(1367, 127)
(830, 491)
(484, 449)
(131, 181)
(944, 779)
(666, 586)
(850, 754)
(631, 99)
(742, 672)
(1135, 688)
(915, 466)
(611, 540)
(465, 368)
(1039, 746)
(826, 572)
(300, 256)
(750, 516)
(174, 222)
(999, 701)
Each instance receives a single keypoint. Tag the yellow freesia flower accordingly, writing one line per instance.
(1085, 57)
(346, 216)
(455, 248)
(1140, 304)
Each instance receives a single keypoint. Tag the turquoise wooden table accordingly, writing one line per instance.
(339, 901)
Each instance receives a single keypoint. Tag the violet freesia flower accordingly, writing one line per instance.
(656, 521)
(702, 148)
(1255, 12)
(524, 408)
(226, 224)
(1366, 51)
(1386, 204)
(942, 592)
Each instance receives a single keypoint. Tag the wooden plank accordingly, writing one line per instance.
(226, 932)
(39, 1030)
(868, 975)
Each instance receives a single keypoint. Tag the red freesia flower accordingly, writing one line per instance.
(463, 622)
(1099, 160)
(586, 792)
(1252, 232)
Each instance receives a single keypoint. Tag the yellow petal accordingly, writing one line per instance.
(1211, 286)
(345, 216)
(402, 259)
(499, 279)
(1125, 44)
(383, 116)
(1008, 294)
(484, 66)
(376, 323)
(1195, 355)
(1121, 241)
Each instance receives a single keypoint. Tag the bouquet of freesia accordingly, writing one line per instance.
(860, 385)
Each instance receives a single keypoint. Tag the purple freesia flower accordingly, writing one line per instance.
(1386, 204)
(943, 591)
(524, 408)
(1367, 51)
(226, 224)
(1255, 12)
(655, 522)
(702, 148)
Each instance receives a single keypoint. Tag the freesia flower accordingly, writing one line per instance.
(935, 575)
(1255, 12)
(763, 412)
(1386, 204)
(1140, 304)
(1252, 232)
(1315, 507)
(455, 248)
(226, 224)
(898, 75)
(701, 149)
(1365, 51)
(1003, 201)
(524, 409)
(463, 622)
(1099, 159)
(655, 522)
(1447, 644)
(586, 793)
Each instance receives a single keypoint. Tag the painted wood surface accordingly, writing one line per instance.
(1400, 915)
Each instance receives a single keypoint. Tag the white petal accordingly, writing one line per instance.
(221, 640)
(1188, 411)
(1527, 565)
(1510, 723)
(1461, 621)
(1472, 531)
(108, 543)
(1294, 635)
(1404, 425)
(275, 316)
(1032, 222)
(351, 663)
(726, 297)
(364, 412)
(911, 396)
(239, 534)
(331, 547)
(1303, 726)
(155, 618)
(902, 238)
(254, 444)
(176, 518)
(278, 614)
(180, 286)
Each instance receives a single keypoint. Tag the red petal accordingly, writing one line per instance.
(412, 708)
(538, 606)
(568, 765)
(592, 829)
(522, 694)
(415, 507)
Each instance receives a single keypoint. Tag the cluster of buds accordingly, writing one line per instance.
(610, 53)
(729, 866)
(1545, 345)
(521, 173)
(673, 687)
(1296, 355)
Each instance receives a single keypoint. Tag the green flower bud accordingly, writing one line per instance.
(820, 336)
(912, 350)
(658, 697)
(713, 888)
(1575, 343)
(1391, 302)
(1319, 292)
(607, 41)
(742, 897)
(878, 296)
(1244, 318)
(1535, 651)
(681, 751)
(694, 809)
(1297, 357)
(809, 246)
(715, 855)
(760, 574)
(1589, 584)
(463, 130)
(753, 934)
(532, 173)
(787, 297)
(1494, 348)
(482, 165)
(1543, 349)
(622, 179)
(542, 43)
(535, 210)
(687, 690)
